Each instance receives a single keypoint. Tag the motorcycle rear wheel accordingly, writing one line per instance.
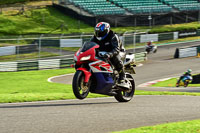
(126, 96)
(177, 84)
(186, 84)
(80, 90)
(148, 51)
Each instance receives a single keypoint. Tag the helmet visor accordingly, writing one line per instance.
(99, 33)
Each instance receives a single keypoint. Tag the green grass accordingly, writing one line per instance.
(40, 21)
(71, 49)
(140, 92)
(28, 86)
(33, 86)
(32, 22)
(171, 83)
(2, 2)
(177, 127)
(67, 48)
(50, 21)
(34, 55)
(161, 28)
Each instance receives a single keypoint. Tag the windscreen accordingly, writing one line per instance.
(87, 45)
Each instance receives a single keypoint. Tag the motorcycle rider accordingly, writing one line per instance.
(110, 42)
(150, 44)
(187, 73)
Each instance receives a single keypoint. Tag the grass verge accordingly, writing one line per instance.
(33, 86)
(50, 21)
(34, 55)
(171, 83)
(27, 86)
(176, 127)
(40, 21)
(14, 1)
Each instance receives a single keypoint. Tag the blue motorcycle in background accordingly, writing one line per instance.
(184, 81)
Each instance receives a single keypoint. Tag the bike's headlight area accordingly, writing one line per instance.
(85, 58)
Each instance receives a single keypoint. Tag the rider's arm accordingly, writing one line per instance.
(92, 39)
(116, 46)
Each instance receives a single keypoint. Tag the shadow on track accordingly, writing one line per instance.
(53, 105)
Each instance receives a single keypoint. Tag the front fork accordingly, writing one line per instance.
(87, 74)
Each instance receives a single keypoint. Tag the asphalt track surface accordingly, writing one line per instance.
(106, 114)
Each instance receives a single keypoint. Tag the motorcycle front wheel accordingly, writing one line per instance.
(80, 89)
(126, 96)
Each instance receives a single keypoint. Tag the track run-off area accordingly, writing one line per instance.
(106, 114)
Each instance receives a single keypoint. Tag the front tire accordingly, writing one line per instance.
(80, 89)
(126, 96)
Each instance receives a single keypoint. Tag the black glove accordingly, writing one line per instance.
(106, 55)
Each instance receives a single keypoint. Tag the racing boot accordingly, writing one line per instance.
(121, 82)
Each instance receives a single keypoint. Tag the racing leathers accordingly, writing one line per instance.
(116, 52)
(185, 74)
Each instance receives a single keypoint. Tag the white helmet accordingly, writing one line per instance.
(101, 30)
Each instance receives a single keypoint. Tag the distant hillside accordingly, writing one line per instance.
(40, 21)
(48, 20)
(2, 2)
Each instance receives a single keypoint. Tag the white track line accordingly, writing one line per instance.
(50, 79)
(152, 82)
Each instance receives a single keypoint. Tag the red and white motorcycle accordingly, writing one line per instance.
(96, 75)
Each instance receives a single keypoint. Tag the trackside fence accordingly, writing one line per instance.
(36, 65)
(50, 64)
(55, 45)
(187, 51)
(17, 49)
(140, 57)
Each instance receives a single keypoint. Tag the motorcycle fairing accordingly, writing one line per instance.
(104, 83)
(101, 66)
(90, 52)
(87, 74)
(102, 71)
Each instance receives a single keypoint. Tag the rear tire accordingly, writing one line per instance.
(177, 85)
(126, 96)
(186, 84)
(148, 51)
(80, 90)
